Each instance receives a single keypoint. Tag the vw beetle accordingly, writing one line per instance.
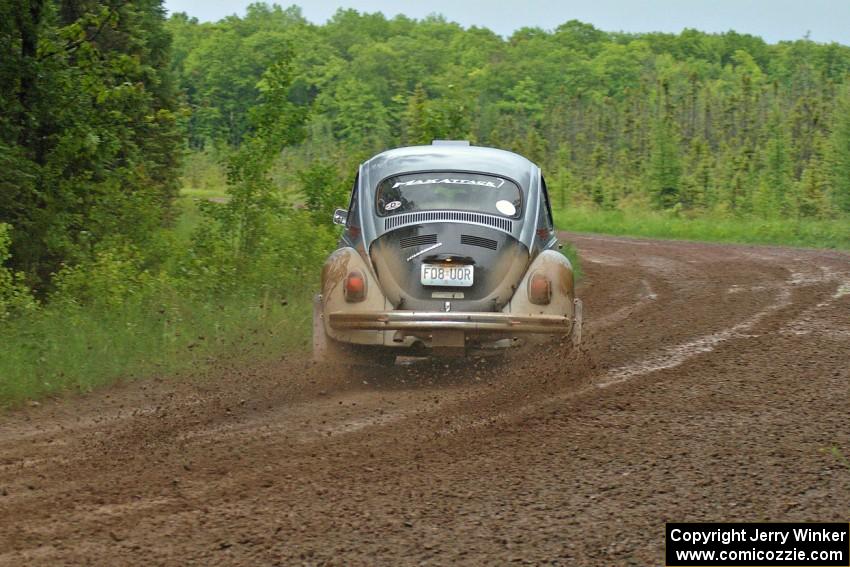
(447, 249)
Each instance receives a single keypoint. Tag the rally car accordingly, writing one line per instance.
(447, 249)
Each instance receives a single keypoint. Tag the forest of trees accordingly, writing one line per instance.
(694, 121)
(103, 101)
(89, 137)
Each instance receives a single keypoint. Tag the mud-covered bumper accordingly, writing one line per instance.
(469, 322)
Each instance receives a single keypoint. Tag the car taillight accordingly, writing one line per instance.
(539, 289)
(355, 287)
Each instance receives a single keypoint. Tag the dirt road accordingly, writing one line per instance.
(713, 384)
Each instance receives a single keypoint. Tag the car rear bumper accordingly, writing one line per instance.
(470, 322)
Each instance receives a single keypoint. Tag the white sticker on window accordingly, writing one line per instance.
(496, 184)
(392, 205)
(506, 208)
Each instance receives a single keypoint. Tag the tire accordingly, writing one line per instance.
(332, 352)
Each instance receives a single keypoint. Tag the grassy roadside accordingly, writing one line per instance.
(833, 234)
(77, 349)
(154, 330)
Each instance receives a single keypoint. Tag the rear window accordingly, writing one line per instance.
(475, 192)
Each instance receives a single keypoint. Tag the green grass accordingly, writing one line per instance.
(806, 233)
(203, 175)
(571, 253)
(203, 180)
(209, 193)
(190, 216)
(41, 356)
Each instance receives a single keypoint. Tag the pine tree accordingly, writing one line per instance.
(561, 184)
(415, 125)
(665, 169)
(777, 180)
(533, 146)
(839, 153)
(812, 191)
(597, 186)
(697, 184)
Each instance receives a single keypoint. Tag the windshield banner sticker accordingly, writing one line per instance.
(495, 184)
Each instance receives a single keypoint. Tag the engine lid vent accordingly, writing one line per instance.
(470, 240)
(418, 240)
(422, 217)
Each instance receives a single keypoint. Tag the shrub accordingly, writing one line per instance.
(15, 296)
(113, 277)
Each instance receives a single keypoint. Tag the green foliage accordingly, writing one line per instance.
(140, 296)
(358, 115)
(812, 191)
(700, 123)
(416, 122)
(524, 101)
(717, 228)
(89, 141)
(840, 153)
(777, 176)
(111, 278)
(203, 174)
(323, 190)
(246, 219)
(568, 250)
(64, 348)
(221, 67)
(129, 320)
(15, 296)
(665, 170)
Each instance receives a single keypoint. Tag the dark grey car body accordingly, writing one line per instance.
(389, 247)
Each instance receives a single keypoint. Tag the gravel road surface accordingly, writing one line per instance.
(713, 384)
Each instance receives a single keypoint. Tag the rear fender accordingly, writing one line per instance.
(557, 268)
(337, 267)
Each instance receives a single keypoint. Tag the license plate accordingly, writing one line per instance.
(460, 275)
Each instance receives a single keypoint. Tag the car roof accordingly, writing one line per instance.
(450, 157)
